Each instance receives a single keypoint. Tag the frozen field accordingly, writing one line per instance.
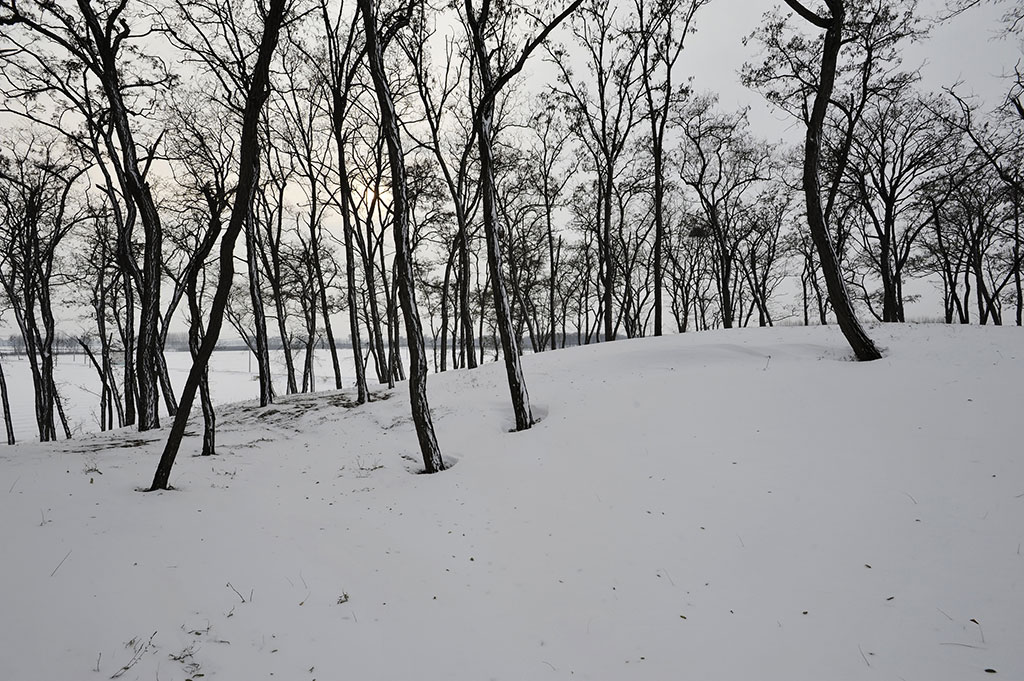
(745, 505)
(233, 378)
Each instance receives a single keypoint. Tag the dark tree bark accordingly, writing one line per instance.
(98, 43)
(350, 279)
(432, 460)
(842, 306)
(259, 312)
(492, 84)
(255, 97)
(36, 182)
(8, 425)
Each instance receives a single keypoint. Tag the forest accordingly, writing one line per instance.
(439, 184)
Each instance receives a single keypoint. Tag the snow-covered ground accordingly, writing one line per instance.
(732, 505)
(233, 373)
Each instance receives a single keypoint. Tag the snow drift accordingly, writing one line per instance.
(728, 505)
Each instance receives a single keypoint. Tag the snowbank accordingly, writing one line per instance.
(728, 505)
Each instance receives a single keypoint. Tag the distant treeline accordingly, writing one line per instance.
(67, 344)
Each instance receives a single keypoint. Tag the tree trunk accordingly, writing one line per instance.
(606, 250)
(350, 276)
(60, 411)
(466, 309)
(195, 340)
(842, 306)
(509, 347)
(247, 174)
(445, 289)
(429, 449)
(127, 333)
(7, 406)
(318, 271)
(259, 314)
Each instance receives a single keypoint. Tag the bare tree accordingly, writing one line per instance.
(100, 41)
(376, 41)
(37, 180)
(605, 113)
(305, 132)
(662, 34)
(498, 65)
(5, 401)
(549, 177)
(253, 81)
(900, 148)
(725, 166)
(454, 157)
(338, 73)
(795, 77)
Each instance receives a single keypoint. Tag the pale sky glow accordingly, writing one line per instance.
(967, 48)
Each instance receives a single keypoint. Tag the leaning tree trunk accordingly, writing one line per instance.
(483, 115)
(432, 460)
(247, 175)
(104, 386)
(195, 340)
(842, 306)
(166, 389)
(325, 310)
(503, 311)
(60, 411)
(7, 406)
(259, 314)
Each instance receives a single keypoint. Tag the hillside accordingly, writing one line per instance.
(732, 505)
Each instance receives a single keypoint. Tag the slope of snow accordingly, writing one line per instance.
(728, 505)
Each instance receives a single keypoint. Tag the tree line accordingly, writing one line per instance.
(285, 164)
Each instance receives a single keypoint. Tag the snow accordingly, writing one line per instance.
(233, 373)
(743, 504)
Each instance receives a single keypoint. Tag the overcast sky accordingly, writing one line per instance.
(967, 48)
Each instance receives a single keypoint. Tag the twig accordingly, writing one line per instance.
(59, 564)
(550, 665)
(979, 628)
(863, 655)
(911, 496)
(98, 658)
(240, 596)
(13, 484)
(963, 645)
(139, 650)
(767, 363)
(945, 613)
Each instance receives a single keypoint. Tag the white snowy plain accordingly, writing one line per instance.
(741, 505)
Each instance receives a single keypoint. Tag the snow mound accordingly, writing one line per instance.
(748, 504)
